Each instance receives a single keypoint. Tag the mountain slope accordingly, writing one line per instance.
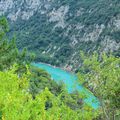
(57, 30)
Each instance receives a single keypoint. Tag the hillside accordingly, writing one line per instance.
(56, 30)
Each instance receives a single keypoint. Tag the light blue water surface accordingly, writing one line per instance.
(70, 81)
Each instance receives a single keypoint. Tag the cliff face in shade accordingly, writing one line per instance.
(56, 30)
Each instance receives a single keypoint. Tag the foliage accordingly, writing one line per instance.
(40, 79)
(30, 94)
(53, 44)
(17, 104)
(9, 53)
(101, 74)
(25, 95)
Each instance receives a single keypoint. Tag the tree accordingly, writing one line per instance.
(101, 74)
(40, 79)
(16, 103)
(46, 102)
(9, 53)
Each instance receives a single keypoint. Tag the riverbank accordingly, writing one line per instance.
(63, 68)
(71, 82)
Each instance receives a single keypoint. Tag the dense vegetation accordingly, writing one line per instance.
(53, 44)
(28, 93)
(17, 103)
(101, 75)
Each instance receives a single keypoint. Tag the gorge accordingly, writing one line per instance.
(70, 81)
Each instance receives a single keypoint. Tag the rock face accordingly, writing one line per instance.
(56, 30)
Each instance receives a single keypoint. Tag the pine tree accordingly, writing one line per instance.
(9, 54)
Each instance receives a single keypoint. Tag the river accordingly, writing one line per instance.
(71, 82)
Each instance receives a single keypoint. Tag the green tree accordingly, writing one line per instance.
(40, 79)
(16, 103)
(9, 53)
(101, 74)
(46, 102)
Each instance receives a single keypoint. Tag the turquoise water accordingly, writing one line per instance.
(70, 80)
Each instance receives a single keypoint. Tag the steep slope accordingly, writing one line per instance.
(56, 30)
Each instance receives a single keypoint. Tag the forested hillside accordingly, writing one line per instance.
(56, 30)
(29, 93)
